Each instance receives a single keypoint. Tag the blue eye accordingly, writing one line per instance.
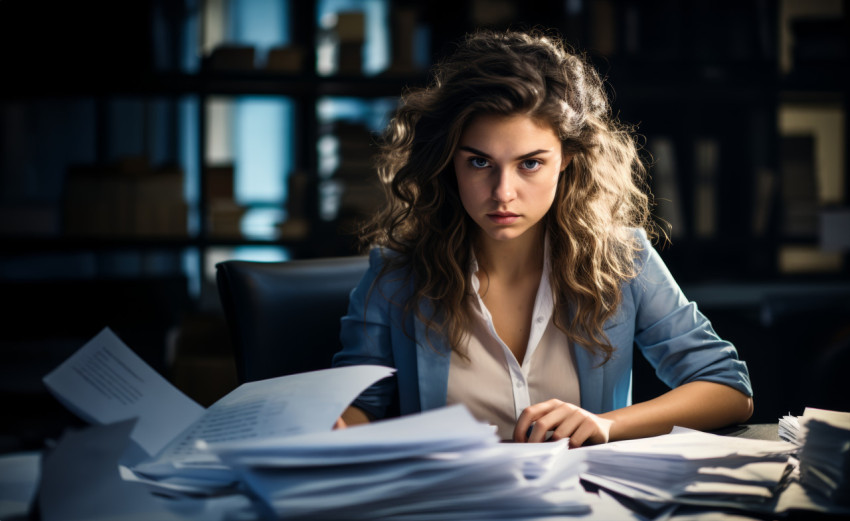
(478, 162)
(531, 164)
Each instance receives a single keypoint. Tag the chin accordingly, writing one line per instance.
(504, 235)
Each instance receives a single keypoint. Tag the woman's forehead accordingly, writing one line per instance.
(508, 128)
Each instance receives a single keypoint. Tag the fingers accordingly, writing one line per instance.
(537, 420)
(529, 416)
(340, 424)
(568, 427)
(581, 434)
(592, 430)
(565, 420)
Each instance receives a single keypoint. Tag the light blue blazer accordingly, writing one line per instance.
(654, 316)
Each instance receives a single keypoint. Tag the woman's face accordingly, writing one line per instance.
(507, 173)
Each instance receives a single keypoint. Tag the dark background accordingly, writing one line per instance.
(685, 72)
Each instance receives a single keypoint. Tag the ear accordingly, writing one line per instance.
(565, 163)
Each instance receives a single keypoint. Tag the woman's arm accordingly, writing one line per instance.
(365, 335)
(352, 416)
(698, 405)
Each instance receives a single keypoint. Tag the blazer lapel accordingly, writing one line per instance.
(590, 379)
(433, 359)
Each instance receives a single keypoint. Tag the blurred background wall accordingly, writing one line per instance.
(143, 141)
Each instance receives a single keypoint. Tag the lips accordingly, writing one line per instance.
(502, 217)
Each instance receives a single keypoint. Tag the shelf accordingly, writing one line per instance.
(213, 83)
(15, 245)
(666, 81)
(712, 78)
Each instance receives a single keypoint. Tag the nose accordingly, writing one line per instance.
(503, 187)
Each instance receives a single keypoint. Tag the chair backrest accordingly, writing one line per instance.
(284, 317)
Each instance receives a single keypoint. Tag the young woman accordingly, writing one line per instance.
(511, 269)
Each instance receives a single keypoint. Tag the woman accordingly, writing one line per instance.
(510, 270)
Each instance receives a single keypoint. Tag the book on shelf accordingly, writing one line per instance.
(706, 167)
(764, 201)
(665, 185)
(126, 199)
(799, 185)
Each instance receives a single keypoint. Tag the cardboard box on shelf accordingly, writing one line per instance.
(285, 59)
(231, 58)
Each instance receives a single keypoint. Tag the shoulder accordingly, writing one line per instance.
(644, 254)
(384, 261)
(650, 273)
(640, 242)
(388, 272)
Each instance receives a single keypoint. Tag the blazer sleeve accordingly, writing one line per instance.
(674, 336)
(366, 337)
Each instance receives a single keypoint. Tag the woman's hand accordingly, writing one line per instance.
(565, 420)
(697, 405)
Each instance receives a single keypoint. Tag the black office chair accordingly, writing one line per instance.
(284, 317)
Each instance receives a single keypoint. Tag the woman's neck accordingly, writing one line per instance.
(518, 257)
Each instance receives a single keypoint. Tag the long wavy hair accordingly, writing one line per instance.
(601, 196)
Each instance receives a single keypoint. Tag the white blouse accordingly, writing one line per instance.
(492, 384)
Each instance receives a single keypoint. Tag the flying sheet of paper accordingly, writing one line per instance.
(106, 382)
(278, 408)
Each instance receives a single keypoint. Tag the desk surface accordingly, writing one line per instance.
(764, 431)
(755, 431)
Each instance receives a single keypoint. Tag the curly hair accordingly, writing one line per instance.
(601, 196)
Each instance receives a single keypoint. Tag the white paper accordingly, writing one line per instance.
(835, 418)
(825, 453)
(106, 382)
(691, 444)
(691, 467)
(440, 464)
(445, 429)
(282, 408)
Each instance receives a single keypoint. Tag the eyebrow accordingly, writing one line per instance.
(488, 156)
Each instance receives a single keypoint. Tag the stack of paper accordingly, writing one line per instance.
(105, 382)
(692, 468)
(825, 454)
(274, 438)
(789, 429)
(441, 464)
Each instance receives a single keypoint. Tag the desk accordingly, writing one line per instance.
(755, 431)
(203, 511)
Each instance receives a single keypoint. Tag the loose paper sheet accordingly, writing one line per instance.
(106, 382)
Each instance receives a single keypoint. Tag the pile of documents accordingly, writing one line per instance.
(689, 467)
(789, 429)
(105, 382)
(441, 464)
(273, 441)
(271, 445)
(825, 453)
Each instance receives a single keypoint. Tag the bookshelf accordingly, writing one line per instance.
(709, 108)
(708, 84)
